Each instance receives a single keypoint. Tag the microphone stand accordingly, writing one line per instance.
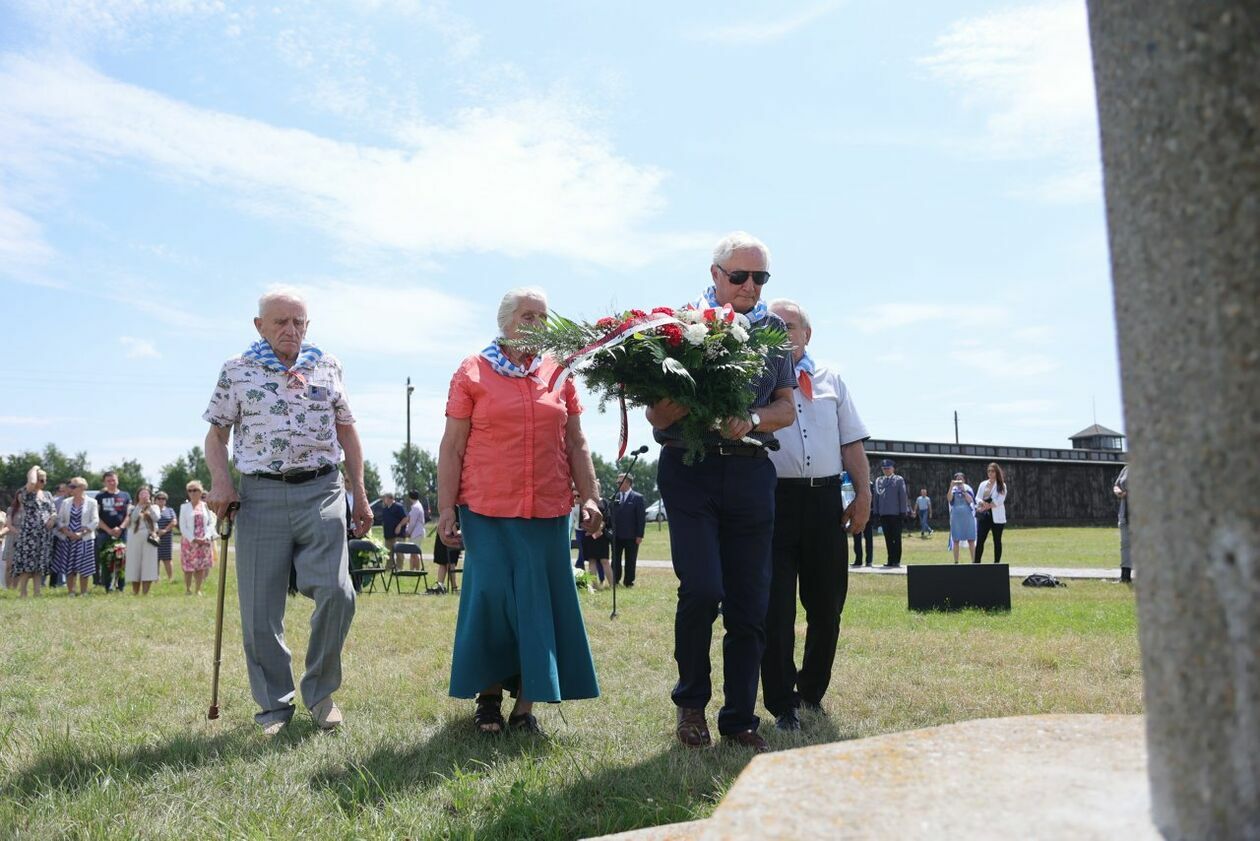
(634, 457)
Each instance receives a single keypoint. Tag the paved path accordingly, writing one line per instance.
(1096, 573)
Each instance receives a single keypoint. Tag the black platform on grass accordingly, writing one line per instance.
(958, 586)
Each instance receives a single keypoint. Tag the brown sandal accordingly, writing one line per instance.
(488, 716)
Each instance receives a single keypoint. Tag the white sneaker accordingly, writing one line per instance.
(273, 728)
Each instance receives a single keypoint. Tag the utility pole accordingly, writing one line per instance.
(410, 460)
(955, 426)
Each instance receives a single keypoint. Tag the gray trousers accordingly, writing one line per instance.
(303, 525)
(1126, 562)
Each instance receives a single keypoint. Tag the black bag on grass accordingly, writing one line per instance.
(1040, 579)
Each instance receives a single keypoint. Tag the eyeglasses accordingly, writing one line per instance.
(740, 276)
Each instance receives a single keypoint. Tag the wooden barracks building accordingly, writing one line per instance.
(1047, 487)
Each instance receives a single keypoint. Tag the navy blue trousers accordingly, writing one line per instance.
(721, 523)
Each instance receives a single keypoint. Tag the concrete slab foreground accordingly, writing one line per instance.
(1027, 777)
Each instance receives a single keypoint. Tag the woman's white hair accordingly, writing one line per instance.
(512, 300)
(280, 293)
(789, 304)
(736, 241)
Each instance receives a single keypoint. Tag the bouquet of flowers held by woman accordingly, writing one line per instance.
(705, 358)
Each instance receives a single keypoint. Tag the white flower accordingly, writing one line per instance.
(695, 333)
(742, 321)
(714, 350)
(689, 316)
(740, 334)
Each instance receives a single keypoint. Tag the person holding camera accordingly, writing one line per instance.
(962, 517)
(991, 512)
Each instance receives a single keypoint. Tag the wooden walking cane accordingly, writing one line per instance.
(225, 532)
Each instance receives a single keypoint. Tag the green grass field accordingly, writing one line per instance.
(104, 735)
(1050, 547)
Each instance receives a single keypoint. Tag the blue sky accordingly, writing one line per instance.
(926, 175)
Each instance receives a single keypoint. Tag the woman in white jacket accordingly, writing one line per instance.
(141, 524)
(991, 511)
(196, 527)
(77, 519)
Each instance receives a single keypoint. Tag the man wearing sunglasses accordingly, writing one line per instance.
(721, 512)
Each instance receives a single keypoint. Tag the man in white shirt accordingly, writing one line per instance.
(809, 527)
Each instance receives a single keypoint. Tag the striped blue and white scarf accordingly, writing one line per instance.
(498, 360)
(709, 299)
(261, 352)
(806, 364)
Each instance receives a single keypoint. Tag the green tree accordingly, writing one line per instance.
(175, 476)
(421, 466)
(130, 475)
(371, 480)
(643, 473)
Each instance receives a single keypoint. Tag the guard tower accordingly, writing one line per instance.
(1098, 438)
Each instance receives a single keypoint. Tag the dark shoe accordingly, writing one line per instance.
(628, 584)
(890, 566)
(788, 722)
(692, 729)
(525, 723)
(488, 716)
(749, 739)
(868, 563)
(856, 564)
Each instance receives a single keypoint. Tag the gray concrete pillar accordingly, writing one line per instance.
(1179, 100)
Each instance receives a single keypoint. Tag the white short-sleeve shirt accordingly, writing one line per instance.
(810, 447)
(276, 427)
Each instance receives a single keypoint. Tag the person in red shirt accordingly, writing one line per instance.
(510, 452)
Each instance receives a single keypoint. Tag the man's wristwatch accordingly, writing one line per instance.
(755, 418)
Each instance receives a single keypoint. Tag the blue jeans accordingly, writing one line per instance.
(923, 520)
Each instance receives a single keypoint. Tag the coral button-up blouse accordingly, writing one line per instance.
(515, 463)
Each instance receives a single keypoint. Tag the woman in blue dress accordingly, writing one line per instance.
(166, 525)
(77, 519)
(32, 554)
(962, 515)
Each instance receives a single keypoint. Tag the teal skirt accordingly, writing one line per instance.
(519, 619)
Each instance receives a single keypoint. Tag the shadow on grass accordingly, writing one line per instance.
(64, 767)
(453, 752)
(597, 798)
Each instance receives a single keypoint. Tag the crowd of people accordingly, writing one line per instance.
(764, 518)
(69, 538)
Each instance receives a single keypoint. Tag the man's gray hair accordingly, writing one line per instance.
(789, 304)
(280, 293)
(736, 241)
(513, 299)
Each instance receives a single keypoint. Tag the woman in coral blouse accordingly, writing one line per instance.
(510, 450)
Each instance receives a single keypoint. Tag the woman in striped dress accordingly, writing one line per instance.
(166, 525)
(77, 519)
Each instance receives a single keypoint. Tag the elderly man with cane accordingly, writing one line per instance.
(283, 404)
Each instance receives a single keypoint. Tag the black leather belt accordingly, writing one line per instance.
(744, 450)
(297, 477)
(815, 482)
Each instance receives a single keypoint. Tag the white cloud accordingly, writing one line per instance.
(767, 30)
(1028, 69)
(25, 420)
(524, 178)
(23, 251)
(1007, 365)
(139, 348)
(886, 316)
(84, 22)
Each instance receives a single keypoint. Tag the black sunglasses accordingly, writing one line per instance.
(740, 276)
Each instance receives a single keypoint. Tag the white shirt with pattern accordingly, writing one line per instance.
(276, 428)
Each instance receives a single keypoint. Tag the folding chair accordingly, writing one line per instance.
(366, 561)
(401, 549)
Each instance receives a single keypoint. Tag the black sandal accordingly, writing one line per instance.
(488, 716)
(525, 723)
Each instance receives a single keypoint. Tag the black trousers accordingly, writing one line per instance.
(809, 546)
(867, 536)
(891, 524)
(983, 526)
(631, 550)
(721, 519)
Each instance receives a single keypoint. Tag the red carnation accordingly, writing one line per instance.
(710, 314)
(673, 334)
(606, 322)
(638, 313)
(662, 311)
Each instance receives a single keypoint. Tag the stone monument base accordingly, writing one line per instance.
(1028, 777)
